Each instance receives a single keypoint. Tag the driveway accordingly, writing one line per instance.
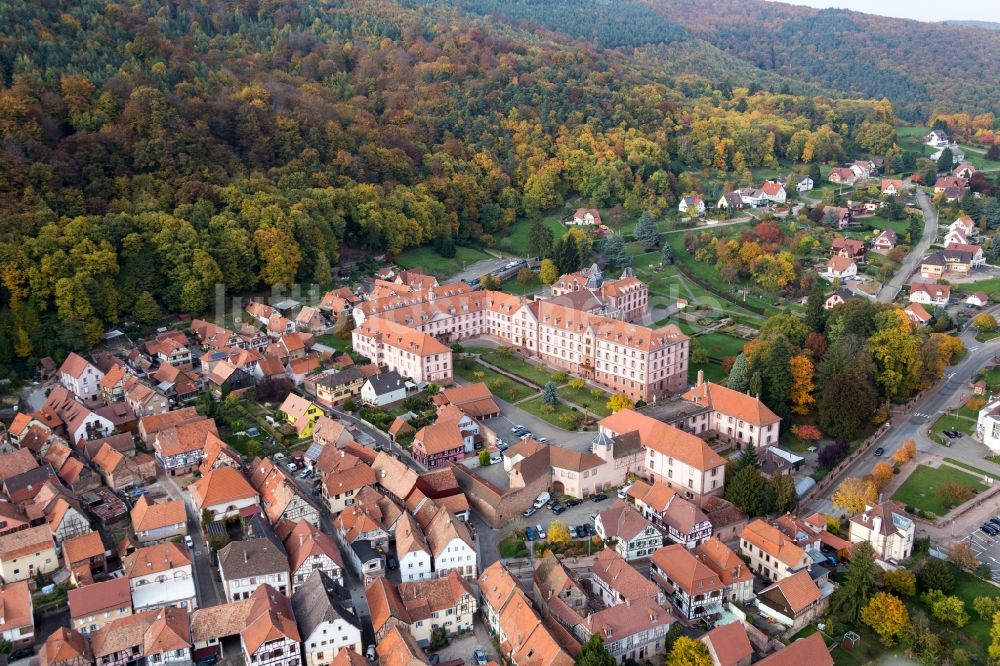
(912, 260)
(204, 579)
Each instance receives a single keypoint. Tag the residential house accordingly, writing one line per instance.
(475, 400)
(412, 552)
(224, 492)
(398, 648)
(329, 432)
(95, 605)
(170, 348)
(65, 647)
(180, 449)
(150, 426)
(631, 633)
(917, 314)
(683, 522)
(692, 203)
(301, 413)
(342, 484)
(225, 379)
(311, 320)
(632, 535)
(976, 259)
(964, 170)
(385, 389)
(736, 577)
(979, 299)
(950, 182)
(887, 528)
(411, 353)
(558, 594)
(937, 139)
(246, 565)
(325, 630)
(150, 637)
(840, 268)
(966, 226)
(112, 385)
(802, 183)
(728, 645)
(212, 625)
(810, 650)
(81, 378)
(849, 248)
(17, 618)
(891, 187)
(16, 462)
(84, 555)
(838, 217)
(161, 575)
(12, 518)
(310, 549)
(671, 455)
(27, 553)
(339, 300)
(158, 522)
(280, 496)
(836, 298)
(271, 636)
(885, 241)
(63, 413)
(144, 400)
(586, 216)
(116, 470)
(524, 639)
(930, 294)
(451, 545)
(842, 176)
(437, 443)
(363, 530)
(794, 601)
(615, 581)
(774, 191)
(421, 606)
(400, 430)
(219, 454)
(772, 554)
(753, 198)
(731, 200)
(334, 388)
(732, 417)
(496, 587)
(694, 590)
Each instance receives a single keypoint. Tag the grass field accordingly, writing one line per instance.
(564, 416)
(967, 588)
(966, 466)
(438, 266)
(340, 344)
(990, 286)
(584, 399)
(515, 287)
(536, 374)
(952, 422)
(517, 242)
(504, 388)
(713, 372)
(992, 377)
(721, 345)
(920, 488)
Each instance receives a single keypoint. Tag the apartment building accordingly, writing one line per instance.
(411, 353)
(733, 417)
(676, 458)
(161, 576)
(93, 606)
(773, 555)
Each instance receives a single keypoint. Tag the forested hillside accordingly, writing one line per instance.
(153, 150)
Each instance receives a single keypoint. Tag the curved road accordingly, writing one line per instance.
(912, 260)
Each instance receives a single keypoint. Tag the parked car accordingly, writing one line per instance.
(879, 451)
(517, 428)
(496, 458)
(573, 502)
(526, 435)
(370, 653)
(988, 529)
(502, 445)
(541, 532)
(530, 534)
(23, 653)
(552, 502)
(558, 508)
(599, 497)
(995, 521)
(392, 563)
(292, 467)
(480, 656)
(543, 440)
(542, 499)
(530, 511)
(188, 541)
(574, 533)
(623, 491)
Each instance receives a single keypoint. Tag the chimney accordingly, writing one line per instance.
(701, 378)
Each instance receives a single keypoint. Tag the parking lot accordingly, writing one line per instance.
(582, 514)
(987, 550)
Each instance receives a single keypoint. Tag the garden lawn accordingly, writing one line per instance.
(502, 387)
(564, 416)
(513, 545)
(967, 588)
(966, 466)
(991, 286)
(536, 374)
(340, 344)
(583, 398)
(440, 267)
(529, 287)
(721, 345)
(517, 242)
(713, 372)
(992, 377)
(919, 489)
(952, 422)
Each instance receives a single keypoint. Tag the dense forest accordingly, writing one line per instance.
(151, 151)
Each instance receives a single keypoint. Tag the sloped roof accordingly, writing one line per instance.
(82, 547)
(614, 570)
(221, 486)
(773, 542)
(312, 605)
(732, 403)
(664, 439)
(270, 618)
(65, 646)
(623, 521)
(253, 557)
(730, 644)
(156, 558)
(99, 597)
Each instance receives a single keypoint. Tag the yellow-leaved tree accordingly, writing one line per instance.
(620, 401)
(854, 493)
(887, 616)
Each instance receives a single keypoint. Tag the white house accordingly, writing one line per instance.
(634, 536)
(451, 546)
(887, 529)
(753, 197)
(956, 153)
(966, 225)
(160, 576)
(937, 139)
(774, 191)
(988, 425)
(586, 216)
(384, 389)
(224, 492)
(978, 299)
(692, 202)
(804, 184)
(81, 378)
(412, 551)
(930, 294)
(325, 629)
(840, 267)
(955, 236)
(246, 565)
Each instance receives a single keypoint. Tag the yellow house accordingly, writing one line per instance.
(301, 413)
(26, 553)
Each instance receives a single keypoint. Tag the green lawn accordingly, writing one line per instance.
(584, 399)
(967, 588)
(978, 159)
(563, 416)
(952, 422)
(340, 344)
(502, 387)
(919, 489)
(536, 374)
(713, 372)
(515, 287)
(721, 345)
(966, 466)
(517, 242)
(441, 267)
(992, 377)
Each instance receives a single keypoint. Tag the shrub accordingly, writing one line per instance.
(810, 433)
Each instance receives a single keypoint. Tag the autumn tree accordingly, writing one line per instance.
(986, 607)
(901, 582)
(558, 532)
(960, 554)
(853, 494)
(985, 323)
(802, 384)
(881, 475)
(906, 451)
(688, 652)
(859, 585)
(954, 492)
(947, 609)
(145, 309)
(619, 401)
(548, 273)
(887, 616)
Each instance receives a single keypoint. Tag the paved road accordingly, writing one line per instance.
(204, 580)
(911, 261)
(925, 412)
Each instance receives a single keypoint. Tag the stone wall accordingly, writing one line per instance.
(497, 507)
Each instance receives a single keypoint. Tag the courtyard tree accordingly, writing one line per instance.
(859, 586)
(985, 323)
(901, 582)
(688, 652)
(549, 396)
(620, 401)
(593, 653)
(887, 616)
(558, 532)
(854, 493)
(739, 376)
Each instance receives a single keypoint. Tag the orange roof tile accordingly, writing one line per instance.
(730, 644)
(810, 650)
(65, 646)
(83, 547)
(147, 516)
(770, 540)
(686, 570)
(732, 403)
(401, 337)
(155, 559)
(664, 439)
(270, 618)
(221, 486)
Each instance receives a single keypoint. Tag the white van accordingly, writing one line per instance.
(541, 500)
(623, 491)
